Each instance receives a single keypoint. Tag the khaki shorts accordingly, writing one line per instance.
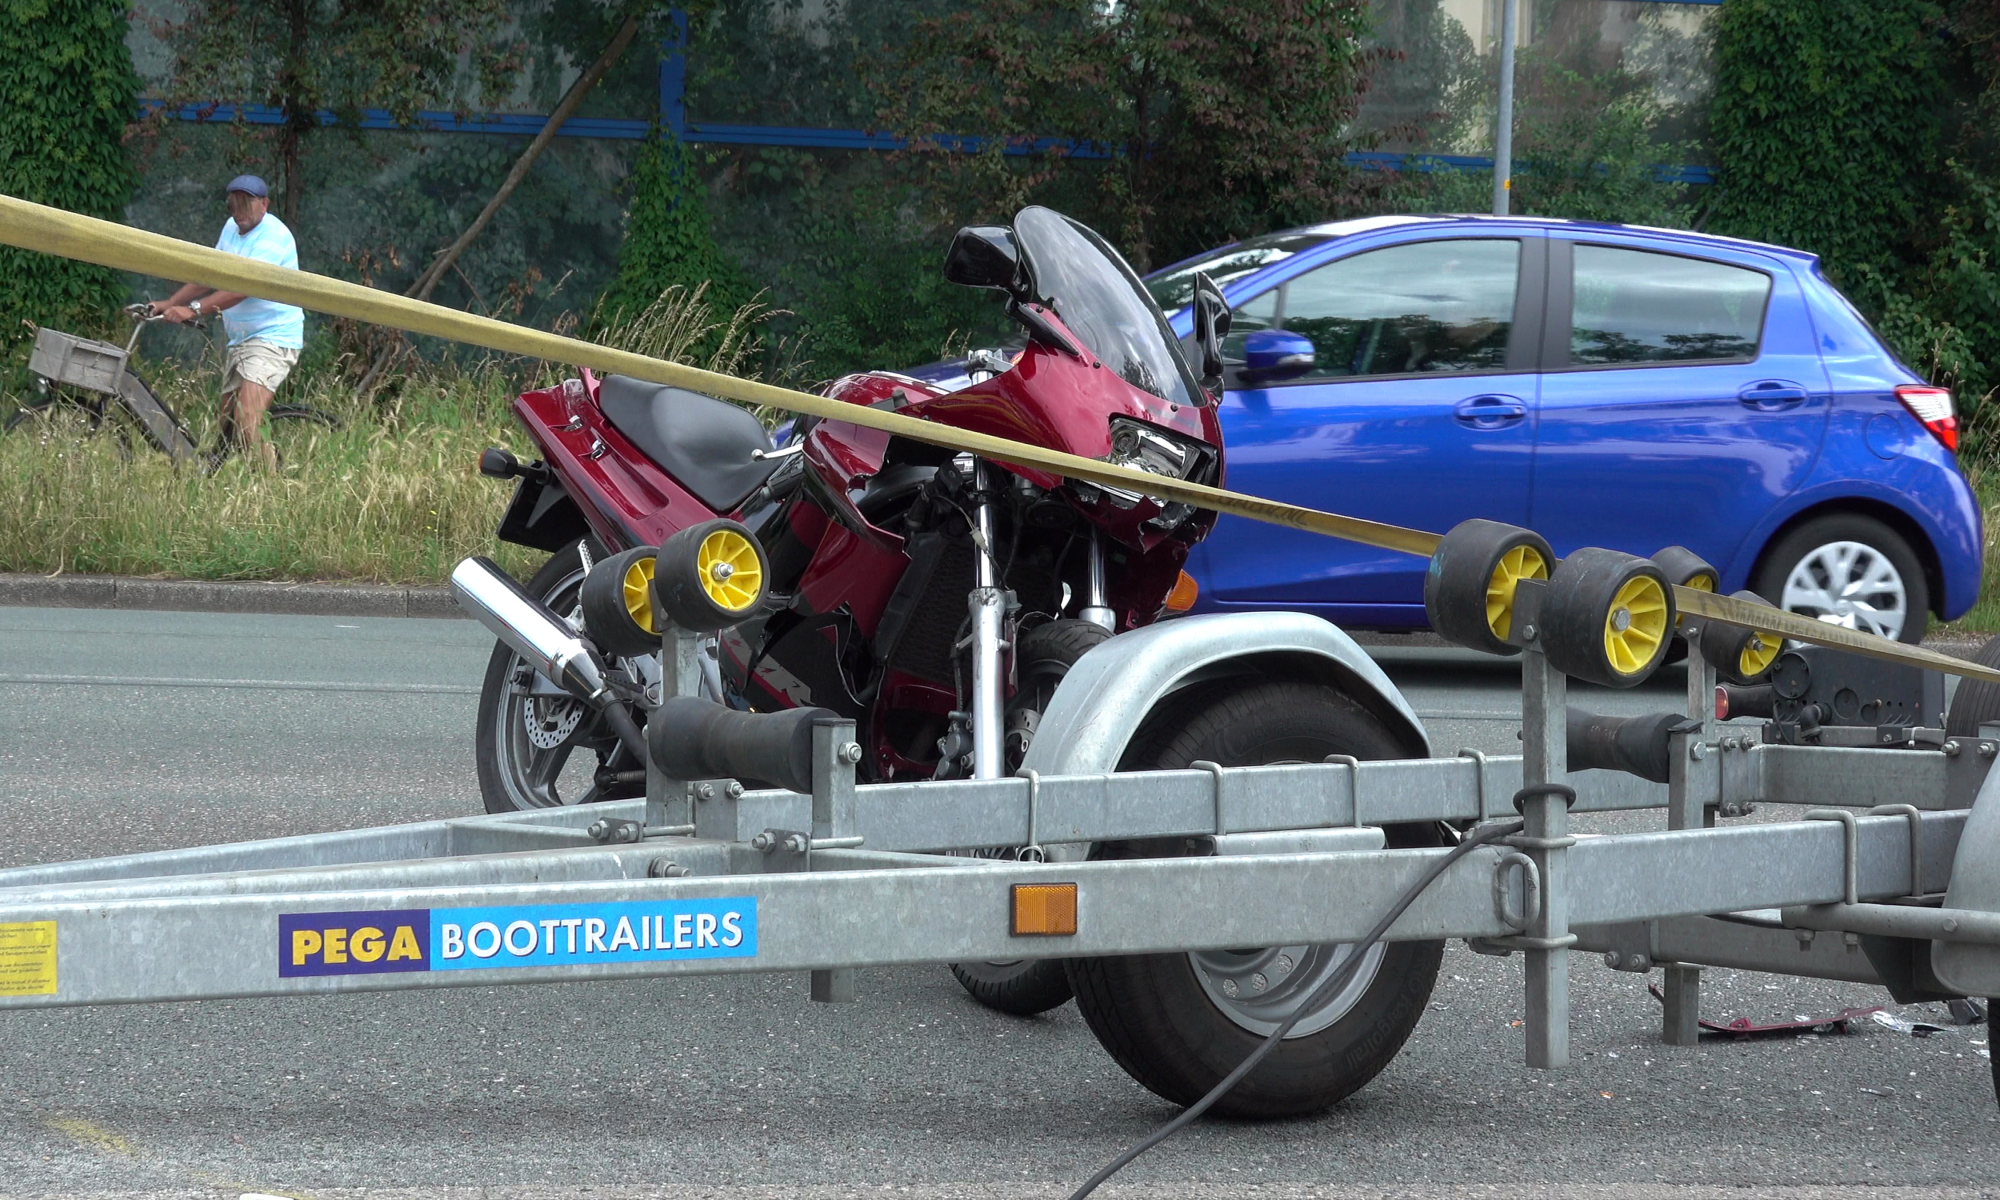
(260, 363)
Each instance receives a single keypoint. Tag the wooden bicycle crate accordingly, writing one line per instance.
(66, 358)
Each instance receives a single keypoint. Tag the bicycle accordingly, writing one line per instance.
(90, 377)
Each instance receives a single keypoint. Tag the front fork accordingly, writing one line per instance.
(988, 603)
(990, 632)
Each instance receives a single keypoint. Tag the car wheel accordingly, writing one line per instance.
(1849, 570)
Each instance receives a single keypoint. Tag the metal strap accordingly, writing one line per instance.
(1214, 769)
(1353, 766)
(1916, 820)
(1853, 852)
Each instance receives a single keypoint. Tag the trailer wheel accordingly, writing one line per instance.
(1178, 1023)
(1976, 701)
(1024, 987)
(1992, 1028)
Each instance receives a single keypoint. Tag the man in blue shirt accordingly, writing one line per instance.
(265, 337)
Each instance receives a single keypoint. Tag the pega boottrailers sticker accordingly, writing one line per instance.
(527, 935)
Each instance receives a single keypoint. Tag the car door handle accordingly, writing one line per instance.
(1490, 412)
(1772, 395)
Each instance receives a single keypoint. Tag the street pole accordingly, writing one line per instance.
(1503, 132)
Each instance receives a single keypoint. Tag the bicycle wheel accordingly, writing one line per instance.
(293, 428)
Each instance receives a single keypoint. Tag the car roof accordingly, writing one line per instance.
(1334, 230)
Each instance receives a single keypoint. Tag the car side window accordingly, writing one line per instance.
(1257, 313)
(1417, 308)
(1639, 306)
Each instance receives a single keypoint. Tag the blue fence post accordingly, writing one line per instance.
(673, 74)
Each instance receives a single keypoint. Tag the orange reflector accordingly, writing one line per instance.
(1182, 597)
(1044, 909)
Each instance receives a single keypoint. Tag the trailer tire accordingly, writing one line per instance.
(1030, 987)
(1976, 701)
(1154, 1014)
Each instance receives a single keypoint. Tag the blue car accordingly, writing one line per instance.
(1604, 385)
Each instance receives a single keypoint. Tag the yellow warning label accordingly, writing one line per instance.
(28, 959)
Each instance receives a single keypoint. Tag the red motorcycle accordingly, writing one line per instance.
(935, 598)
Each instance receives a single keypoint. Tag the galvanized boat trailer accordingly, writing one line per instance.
(1891, 877)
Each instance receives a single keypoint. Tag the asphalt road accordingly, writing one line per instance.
(128, 731)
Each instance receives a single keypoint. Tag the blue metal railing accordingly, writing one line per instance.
(673, 114)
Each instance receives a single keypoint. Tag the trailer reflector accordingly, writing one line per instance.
(1044, 910)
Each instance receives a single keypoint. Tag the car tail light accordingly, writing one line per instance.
(1932, 406)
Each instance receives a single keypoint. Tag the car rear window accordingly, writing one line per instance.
(1638, 306)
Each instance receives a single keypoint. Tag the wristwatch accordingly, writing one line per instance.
(194, 306)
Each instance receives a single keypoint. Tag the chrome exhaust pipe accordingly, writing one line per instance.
(528, 628)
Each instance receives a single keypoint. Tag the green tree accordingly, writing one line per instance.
(69, 90)
(307, 57)
(1825, 124)
(668, 239)
(1212, 119)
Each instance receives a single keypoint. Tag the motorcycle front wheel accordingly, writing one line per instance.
(531, 732)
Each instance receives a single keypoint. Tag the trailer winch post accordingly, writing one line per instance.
(670, 802)
(1544, 802)
(835, 755)
(1693, 776)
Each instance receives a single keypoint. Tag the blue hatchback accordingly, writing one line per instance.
(1604, 385)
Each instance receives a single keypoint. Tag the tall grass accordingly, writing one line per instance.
(393, 496)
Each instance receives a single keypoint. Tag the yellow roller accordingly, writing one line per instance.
(54, 231)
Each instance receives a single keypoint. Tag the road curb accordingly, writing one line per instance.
(185, 595)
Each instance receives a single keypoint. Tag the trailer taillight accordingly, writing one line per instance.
(1932, 406)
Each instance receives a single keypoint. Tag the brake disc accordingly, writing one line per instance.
(550, 720)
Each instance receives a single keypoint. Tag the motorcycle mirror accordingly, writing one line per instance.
(984, 256)
(1211, 325)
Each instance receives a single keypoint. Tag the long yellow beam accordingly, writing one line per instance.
(53, 231)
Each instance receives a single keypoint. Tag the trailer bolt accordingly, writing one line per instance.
(665, 868)
(1528, 633)
(797, 843)
(1986, 749)
(1951, 924)
(1285, 964)
(720, 572)
(734, 789)
(764, 841)
(1257, 981)
(1952, 749)
(1229, 987)
(851, 753)
(1697, 750)
(1611, 959)
(705, 792)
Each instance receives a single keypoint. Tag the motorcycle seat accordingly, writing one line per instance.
(704, 443)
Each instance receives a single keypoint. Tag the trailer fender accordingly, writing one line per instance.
(1974, 970)
(1107, 694)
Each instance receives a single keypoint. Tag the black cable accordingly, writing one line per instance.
(1470, 842)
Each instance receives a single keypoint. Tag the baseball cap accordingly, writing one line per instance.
(249, 185)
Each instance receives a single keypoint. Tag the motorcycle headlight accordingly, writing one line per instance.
(1143, 447)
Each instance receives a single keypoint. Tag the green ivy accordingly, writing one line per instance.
(1824, 121)
(668, 239)
(68, 91)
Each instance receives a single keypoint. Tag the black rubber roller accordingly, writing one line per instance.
(617, 600)
(1469, 589)
(1634, 745)
(1740, 655)
(693, 738)
(1684, 568)
(1608, 618)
